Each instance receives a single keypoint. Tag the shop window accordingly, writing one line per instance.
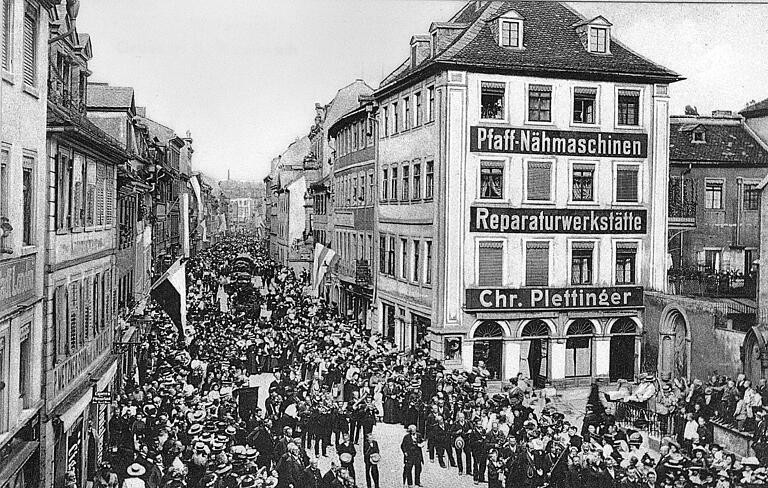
(492, 100)
(490, 261)
(578, 349)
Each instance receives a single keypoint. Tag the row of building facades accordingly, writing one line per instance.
(97, 200)
(517, 193)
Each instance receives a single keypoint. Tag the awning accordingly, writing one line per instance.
(106, 374)
(70, 409)
(20, 452)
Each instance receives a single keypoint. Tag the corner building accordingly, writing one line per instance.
(523, 156)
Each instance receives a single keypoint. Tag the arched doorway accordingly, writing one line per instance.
(578, 349)
(752, 355)
(487, 348)
(675, 344)
(622, 353)
(534, 352)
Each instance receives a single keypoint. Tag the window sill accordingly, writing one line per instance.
(585, 203)
(539, 122)
(495, 121)
(626, 204)
(8, 77)
(585, 125)
(32, 91)
(633, 128)
(492, 202)
(539, 203)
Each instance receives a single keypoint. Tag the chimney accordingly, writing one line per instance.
(442, 34)
(419, 50)
(141, 111)
(722, 113)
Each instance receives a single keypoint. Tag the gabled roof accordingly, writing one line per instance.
(728, 142)
(346, 99)
(158, 131)
(552, 48)
(103, 96)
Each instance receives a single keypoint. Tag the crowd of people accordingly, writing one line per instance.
(189, 417)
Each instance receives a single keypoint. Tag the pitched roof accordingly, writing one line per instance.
(727, 141)
(346, 100)
(158, 130)
(552, 46)
(101, 95)
(756, 109)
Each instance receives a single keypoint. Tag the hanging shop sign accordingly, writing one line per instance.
(557, 221)
(511, 140)
(500, 299)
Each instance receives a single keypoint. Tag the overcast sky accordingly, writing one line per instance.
(244, 75)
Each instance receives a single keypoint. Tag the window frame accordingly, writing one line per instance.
(640, 177)
(28, 163)
(416, 178)
(552, 180)
(504, 185)
(550, 265)
(428, 257)
(504, 259)
(405, 177)
(614, 254)
(429, 195)
(721, 183)
(640, 107)
(417, 107)
(754, 190)
(527, 95)
(594, 48)
(597, 117)
(31, 8)
(8, 39)
(384, 195)
(505, 102)
(595, 268)
(520, 34)
(431, 99)
(595, 170)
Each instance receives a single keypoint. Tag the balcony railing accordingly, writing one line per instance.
(702, 282)
(682, 201)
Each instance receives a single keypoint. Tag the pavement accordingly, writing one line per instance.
(391, 464)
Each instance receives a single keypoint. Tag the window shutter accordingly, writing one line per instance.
(628, 93)
(109, 188)
(493, 88)
(60, 305)
(626, 246)
(87, 306)
(584, 245)
(539, 180)
(30, 46)
(540, 88)
(583, 167)
(626, 184)
(7, 33)
(74, 313)
(537, 264)
(490, 261)
(100, 193)
(581, 90)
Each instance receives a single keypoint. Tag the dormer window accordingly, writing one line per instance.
(598, 40)
(699, 136)
(413, 56)
(510, 30)
(433, 44)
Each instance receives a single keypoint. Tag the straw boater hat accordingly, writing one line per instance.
(136, 470)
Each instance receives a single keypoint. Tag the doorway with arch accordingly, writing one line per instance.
(622, 350)
(675, 344)
(534, 352)
(488, 342)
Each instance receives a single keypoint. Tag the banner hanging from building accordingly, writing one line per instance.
(170, 292)
(512, 299)
(505, 220)
(512, 140)
(323, 259)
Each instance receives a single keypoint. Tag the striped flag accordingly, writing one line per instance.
(170, 292)
(323, 259)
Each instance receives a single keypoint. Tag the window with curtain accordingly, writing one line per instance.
(492, 180)
(584, 104)
(539, 181)
(540, 103)
(537, 263)
(28, 201)
(490, 263)
(626, 183)
(583, 182)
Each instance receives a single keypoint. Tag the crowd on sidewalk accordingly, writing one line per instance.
(189, 418)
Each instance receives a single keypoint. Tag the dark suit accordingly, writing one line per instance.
(413, 458)
(371, 469)
(349, 449)
(462, 430)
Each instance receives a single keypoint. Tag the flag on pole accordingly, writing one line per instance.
(170, 292)
(323, 259)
